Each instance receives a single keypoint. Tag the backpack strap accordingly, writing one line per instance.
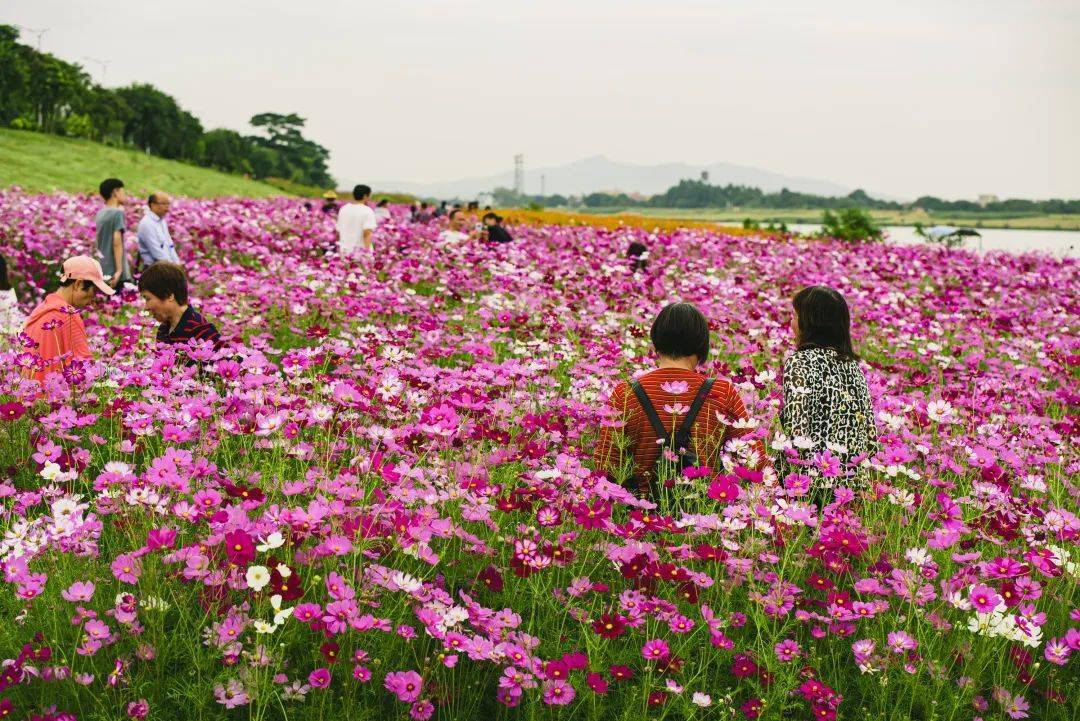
(683, 434)
(650, 411)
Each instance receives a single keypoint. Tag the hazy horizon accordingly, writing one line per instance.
(902, 99)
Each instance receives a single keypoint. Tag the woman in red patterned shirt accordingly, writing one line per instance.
(628, 447)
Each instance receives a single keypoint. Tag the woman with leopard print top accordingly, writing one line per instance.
(827, 413)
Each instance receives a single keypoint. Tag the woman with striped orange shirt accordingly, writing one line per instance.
(630, 445)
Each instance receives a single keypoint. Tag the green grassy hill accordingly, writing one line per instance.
(40, 162)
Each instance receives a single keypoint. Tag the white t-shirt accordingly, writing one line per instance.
(352, 220)
(452, 237)
(11, 318)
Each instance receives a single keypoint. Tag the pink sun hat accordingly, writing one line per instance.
(83, 267)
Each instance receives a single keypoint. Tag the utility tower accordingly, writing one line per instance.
(519, 174)
(543, 184)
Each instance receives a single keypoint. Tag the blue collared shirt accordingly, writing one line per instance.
(155, 243)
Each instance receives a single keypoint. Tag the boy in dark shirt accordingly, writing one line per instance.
(164, 289)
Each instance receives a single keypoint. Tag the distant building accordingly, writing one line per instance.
(986, 199)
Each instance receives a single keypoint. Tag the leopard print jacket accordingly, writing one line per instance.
(827, 401)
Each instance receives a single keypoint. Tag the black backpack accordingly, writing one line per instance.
(683, 436)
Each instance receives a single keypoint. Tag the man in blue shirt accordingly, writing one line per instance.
(155, 243)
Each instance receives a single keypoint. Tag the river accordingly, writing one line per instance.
(1058, 243)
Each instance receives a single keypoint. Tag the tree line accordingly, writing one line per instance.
(41, 92)
(700, 194)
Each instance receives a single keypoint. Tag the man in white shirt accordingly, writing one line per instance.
(455, 230)
(155, 241)
(356, 222)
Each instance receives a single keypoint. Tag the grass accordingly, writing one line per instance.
(1027, 221)
(44, 163)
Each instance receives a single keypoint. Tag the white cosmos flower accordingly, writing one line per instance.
(701, 699)
(50, 471)
(274, 540)
(262, 626)
(257, 577)
(405, 582)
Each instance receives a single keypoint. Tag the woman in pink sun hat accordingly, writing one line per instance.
(55, 324)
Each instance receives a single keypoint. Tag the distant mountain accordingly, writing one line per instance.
(599, 173)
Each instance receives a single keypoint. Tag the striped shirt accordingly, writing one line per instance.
(711, 427)
(191, 326)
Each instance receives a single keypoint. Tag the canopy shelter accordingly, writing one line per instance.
(950, 235)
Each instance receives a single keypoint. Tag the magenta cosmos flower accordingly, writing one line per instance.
(984, 598)
(406, 685)
(655, 649)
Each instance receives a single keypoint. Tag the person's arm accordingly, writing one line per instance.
(369, 228)
(118, 255)
(795, 413)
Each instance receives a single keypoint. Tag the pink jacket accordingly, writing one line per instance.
(57, 345)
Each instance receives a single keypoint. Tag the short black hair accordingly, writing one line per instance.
(492, 215)
(359, 192)
(84, 284)
(679, 331)
(109, 186)
(164, 279)
(824, 320)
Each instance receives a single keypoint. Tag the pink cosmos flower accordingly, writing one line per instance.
(984, 598)
(422, 710)
(558, 693)
(78, 591)
(900, 642)
(406, 685)
(127, 568)
(655, 649)
(787, 650)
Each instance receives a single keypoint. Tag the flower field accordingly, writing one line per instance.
(376, 501)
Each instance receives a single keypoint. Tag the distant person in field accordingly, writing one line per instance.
(356, 222)
(424, 214)
(164, 290)
(11, 318)
(110, 225)
(638, 255)
(440, 211)
(673, 397)
(826, 412)
(155, 241)
(382, 211)
(55, 324)
(330, 202)
(496, 233)
(455, 228)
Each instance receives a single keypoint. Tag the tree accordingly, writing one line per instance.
(158, 125)
(299, 159)
(226, 150)
(849, 224)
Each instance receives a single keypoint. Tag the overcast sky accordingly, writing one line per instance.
(947, 97)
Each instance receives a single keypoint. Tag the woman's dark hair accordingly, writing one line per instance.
(164, 279)
(382, 203)
(109, 186)
(5, 282)
(824, 320)
(493, 216)
(680, 330)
